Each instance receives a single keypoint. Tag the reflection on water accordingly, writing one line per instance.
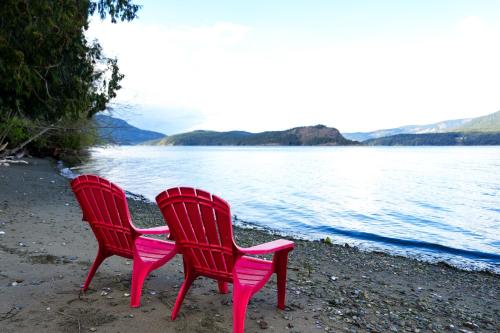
(370, 196)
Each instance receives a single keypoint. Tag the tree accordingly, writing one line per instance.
(52, 79)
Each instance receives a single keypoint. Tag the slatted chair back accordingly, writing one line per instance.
(105, 208)
(200, 224)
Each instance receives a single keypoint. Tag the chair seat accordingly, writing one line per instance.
(252, 271)
(151, 249)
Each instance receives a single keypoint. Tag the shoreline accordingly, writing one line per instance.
(467, 260)
(374, 214)
(425, 251)
(46, 252)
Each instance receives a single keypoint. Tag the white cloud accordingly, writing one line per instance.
(221, 73)
(473, 27)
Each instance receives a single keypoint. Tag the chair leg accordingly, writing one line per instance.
(188, 280)
(223, 287)
(241, 296)
(97, 262)
(139, 274)
(281, 267)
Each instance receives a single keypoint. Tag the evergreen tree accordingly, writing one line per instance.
(52, 79)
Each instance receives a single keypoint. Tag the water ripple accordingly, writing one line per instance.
(415, 199)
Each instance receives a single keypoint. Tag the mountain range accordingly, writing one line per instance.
(409, 129)
(488, 123)
(483, 130)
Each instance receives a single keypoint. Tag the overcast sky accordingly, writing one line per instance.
(270, 65)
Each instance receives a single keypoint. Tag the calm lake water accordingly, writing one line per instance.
(435, 203)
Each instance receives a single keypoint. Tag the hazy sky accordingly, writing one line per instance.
(269, 65)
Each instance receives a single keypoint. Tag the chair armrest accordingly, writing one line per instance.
(154, 231)
(270, 247)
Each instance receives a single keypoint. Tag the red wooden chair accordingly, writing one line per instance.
(200, 224)
(105, 208)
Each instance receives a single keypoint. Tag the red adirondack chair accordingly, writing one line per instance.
(105, 208)
(200, 224)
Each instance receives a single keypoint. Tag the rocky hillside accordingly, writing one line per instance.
(299, 136)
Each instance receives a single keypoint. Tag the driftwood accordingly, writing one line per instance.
(6, 162)
(12, 160)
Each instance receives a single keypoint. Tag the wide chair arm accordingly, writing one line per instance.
(154, 231)
(270, 247)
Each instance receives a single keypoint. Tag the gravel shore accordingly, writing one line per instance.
(46, 251)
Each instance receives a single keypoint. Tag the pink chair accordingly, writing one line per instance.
(200, 224)
(105, 208)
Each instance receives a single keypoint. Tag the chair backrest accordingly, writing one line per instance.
(105, 207)
(200, 224)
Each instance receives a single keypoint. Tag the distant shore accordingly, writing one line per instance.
(46, 251)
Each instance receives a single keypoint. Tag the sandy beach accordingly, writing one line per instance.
(46, 251)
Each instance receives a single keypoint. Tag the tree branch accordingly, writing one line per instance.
(46, 83)
(22, 145)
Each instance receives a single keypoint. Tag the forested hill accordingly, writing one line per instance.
(299, 136)
(118, 131)
(438, 139)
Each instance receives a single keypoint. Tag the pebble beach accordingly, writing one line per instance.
(46, 251)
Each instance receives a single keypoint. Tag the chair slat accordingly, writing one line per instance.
(105, 208)
(103, 202)
(208, 218)
(193, 212)
(196, 229)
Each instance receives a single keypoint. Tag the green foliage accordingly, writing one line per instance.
(328, 241)
(16, 129)
(80, 135)
(49, 72)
